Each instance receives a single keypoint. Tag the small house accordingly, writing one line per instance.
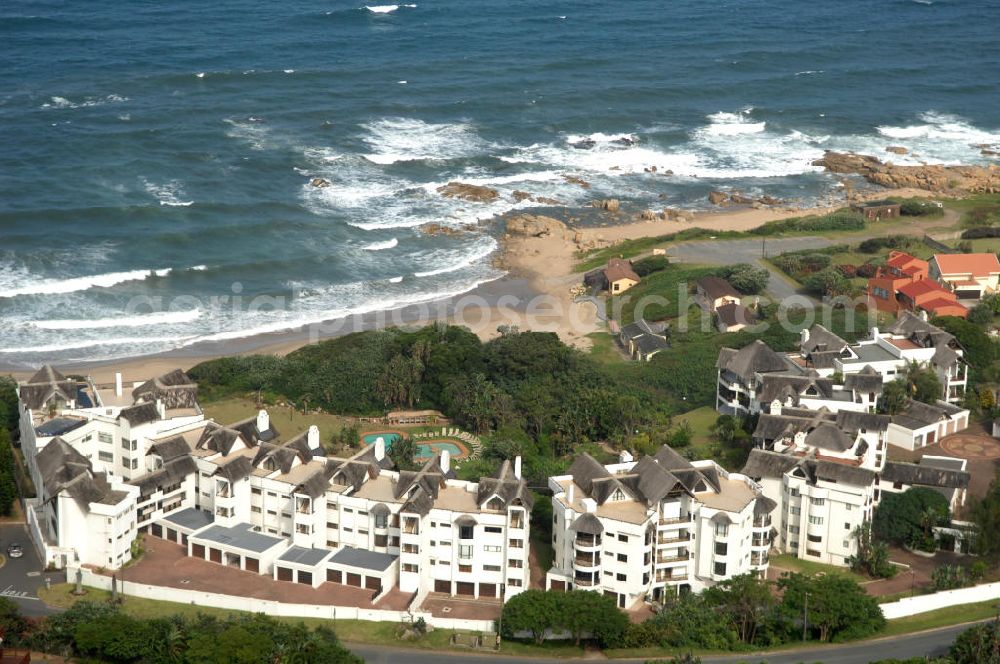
(969, 276)
(877, 210)
(642, 340)
(714, 292)
(619, 276)
(733, 317)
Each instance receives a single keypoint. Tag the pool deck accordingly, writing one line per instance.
(369, 437)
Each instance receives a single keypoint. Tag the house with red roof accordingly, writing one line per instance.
(968, 276)
(899, 270)
(930, 296)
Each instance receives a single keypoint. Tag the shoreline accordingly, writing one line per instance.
(535, 266)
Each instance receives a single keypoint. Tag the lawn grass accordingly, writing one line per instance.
(789, 562)
(700, 420)
(660, 294)
(953, 615)
(288, 421)
(604, 349)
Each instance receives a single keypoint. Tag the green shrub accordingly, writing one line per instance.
(649, 265)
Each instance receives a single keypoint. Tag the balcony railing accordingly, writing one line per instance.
(587, 561)
(670, 520)
(686, 537)
(588, 540)
(585, 582)
(683, 555)
(760, 541)
(671, 577)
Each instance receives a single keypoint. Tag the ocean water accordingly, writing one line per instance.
(158, 155)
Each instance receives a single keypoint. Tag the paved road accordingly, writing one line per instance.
(933, 643)
(728, 252)
(20, 578)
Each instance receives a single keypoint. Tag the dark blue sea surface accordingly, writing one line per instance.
(156, 154)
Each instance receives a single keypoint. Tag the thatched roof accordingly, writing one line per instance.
(139, 414)
(174, 389)
(866, 380)
(587, 524)
(756, 357)
(925, 475)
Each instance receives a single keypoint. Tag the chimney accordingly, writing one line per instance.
(569, 495)
(118, 383)
(264, 422)
(776, 407)
(625, 457)
(379, 448)
(161, 410)
(312, 436)
(589, 505)
(804, 336)
(445, 461)
(923, 315)
(517, 466)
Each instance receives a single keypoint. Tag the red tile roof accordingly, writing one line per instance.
(618, 269)
(915, 289)
(978, 265)
(901, 259)
(941, 304)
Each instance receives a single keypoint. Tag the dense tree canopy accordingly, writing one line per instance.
(908, 517)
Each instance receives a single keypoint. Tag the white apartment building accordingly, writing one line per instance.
(648, 529)
(110, 465)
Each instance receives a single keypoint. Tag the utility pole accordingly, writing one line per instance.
(805, 618)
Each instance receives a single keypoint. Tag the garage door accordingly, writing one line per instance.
(558, 585)
(157, 530)
(306, 578)
(284, 574)
(198, 551)
(931, 437)
(252, 565)
(354, 580)
(487, 590)
(373, 583)
(215, 555)
(171, 535)
(442, 586)
(465, 588)
(333, 575)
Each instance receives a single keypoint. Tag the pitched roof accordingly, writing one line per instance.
(619, 268)
(866, 380)
(915, 289)
(756, 357)
(925, 475)
(47, 374)
(716, 287)
(142, 413)
(505, 486)
(978, 265)
(821, 340)
(764, 463)
(170, 448)
(587, 524)
(668, 457)
(733, 314)
(854, 421)
(901, 259)
(46, 383)
(217, 438)
(171, 473)
(839, 472)
(174, 389)
(782, 386)
(236, 469)
(829, 436)
(252, 434)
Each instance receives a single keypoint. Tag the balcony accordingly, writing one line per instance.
(681, 556)
(683, 537)
(760, 541)
(587, 560)
(585, 582)
(587, 541)
(666, 578)
(758, 559)
(673, 520)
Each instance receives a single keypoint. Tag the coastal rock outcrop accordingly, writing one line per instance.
(468, 192)
(572, 179)
(535, 225)
(609, 204)
(320, 183)
(896, 149)
(941, 179)
(727, 198)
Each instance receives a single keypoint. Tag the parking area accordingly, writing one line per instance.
(20, 578)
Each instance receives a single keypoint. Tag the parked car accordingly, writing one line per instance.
(14, 551)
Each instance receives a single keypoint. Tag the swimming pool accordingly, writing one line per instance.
(425, 449)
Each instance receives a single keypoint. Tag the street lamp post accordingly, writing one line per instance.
(805, 618)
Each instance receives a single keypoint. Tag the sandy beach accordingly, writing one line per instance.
(535, 294)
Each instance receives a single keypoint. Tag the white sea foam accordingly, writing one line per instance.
(395, 280)
(86, 102)
(378, 246)
(732, 124)
(393, 140)
(168, 193)
(382, 9)
(252, 130)
(73, 284)
(809, 72)
(480, 250)
(289, 71)
(90, 343)
(140, 320)
(200, 74)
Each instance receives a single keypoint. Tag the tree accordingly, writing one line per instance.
(872, 557)
(583, 612)
(747, 279)
(532, 611)
(986, 516)
(981, 314)
(746, 600)
(828, 281)
(838, 608)
(894, 397)
(909, 517)
(403, 452)
(923, 383)
(978, 645)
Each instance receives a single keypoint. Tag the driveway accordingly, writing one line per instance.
(729, 252)
(20, 578)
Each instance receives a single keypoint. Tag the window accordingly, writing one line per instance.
(517, 544)
(255, 491)
(491, 568)
(348, 510)
(493, 529)
(818, 502)
(848, 508)
(465, 532)
(815, 521)
(721, 548)
(135, 464)
(620, 577)
(255, 509)
(847, 526)
(381, 520)
(794, 492)
(622, 538)
(105, 438)
(794, 511)
(720, 569)
(622, 558)
(794, 530)
(381, 540)
(464, 568)
(721, 529)
(847, 544)
(409, 567)
(491, 549)
(514, 562)
(465, 551)
(514, 583)
(106, 457)
(815, 539)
